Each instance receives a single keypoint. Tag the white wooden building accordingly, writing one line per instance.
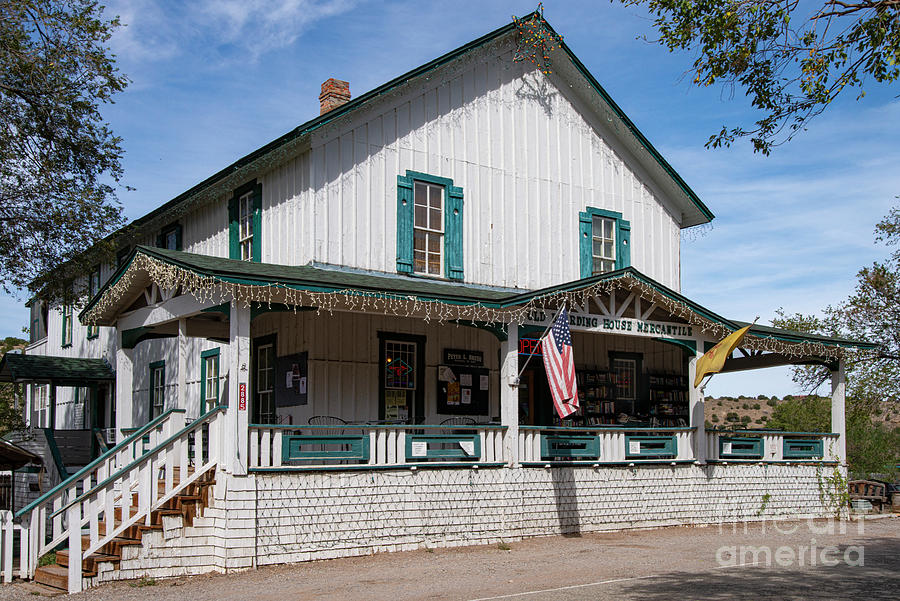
(317, 350)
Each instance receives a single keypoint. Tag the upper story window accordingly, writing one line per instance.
(66, 339)
(604, 241)
(428, 232)
(245, 215)
(170, 237)
(429, 226)
(93, 289)
(38, 329)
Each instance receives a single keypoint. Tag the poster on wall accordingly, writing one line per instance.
(291, 380)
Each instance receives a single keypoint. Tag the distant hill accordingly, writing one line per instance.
(728, 411)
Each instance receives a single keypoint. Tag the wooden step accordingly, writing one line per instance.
(54, 576)
(89, 564)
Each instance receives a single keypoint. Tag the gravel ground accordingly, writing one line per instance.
(685, 562)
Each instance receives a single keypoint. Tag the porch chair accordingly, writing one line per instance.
(457, 421)
(327, 420)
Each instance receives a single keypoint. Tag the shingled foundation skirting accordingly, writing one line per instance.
(288, 517)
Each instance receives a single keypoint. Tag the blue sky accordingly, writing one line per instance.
(215, 79)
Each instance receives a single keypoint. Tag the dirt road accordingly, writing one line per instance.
(795, 560)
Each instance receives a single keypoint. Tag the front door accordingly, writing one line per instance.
(401, 378)
(263, 380)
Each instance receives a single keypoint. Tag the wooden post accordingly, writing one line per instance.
(124, 387)
(838, 412)
(74, 525)
(181, 393)
(697, 411)
(237, 420)
(509, 394)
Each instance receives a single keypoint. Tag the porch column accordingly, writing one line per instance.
(838, 412)
(181, 393)
(124, 387)
(234, 445)
(509, 394)
(697, 410)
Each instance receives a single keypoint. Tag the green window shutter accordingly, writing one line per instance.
(178, 239)
(584, 243)
(234, 233)
(623, 244)
(160, 240)
(257, 224)
(404, 224)
(453, 232)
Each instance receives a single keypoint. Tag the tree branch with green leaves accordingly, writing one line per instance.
(790, 59)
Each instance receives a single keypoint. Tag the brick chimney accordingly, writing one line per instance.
(334, 93)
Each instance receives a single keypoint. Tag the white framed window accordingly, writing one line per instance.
(245, 225)
(157, 389)
(428, 229)
(66, 325)
(265, 382)
(40, 395)
(211, 381)
(603, 245)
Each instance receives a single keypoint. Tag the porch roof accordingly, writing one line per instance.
(15, 367)
(323, 286)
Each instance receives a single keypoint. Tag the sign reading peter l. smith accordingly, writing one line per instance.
(626, 326)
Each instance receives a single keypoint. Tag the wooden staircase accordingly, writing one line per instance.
(188, 504)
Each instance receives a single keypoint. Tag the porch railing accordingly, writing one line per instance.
(770, 446)
(610, 445)
(285, 447)
(119, 489)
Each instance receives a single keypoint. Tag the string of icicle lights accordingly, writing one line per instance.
(214, 290)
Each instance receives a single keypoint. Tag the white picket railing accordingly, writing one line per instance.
(770, 446)
(128, 473)
(374, 445)
(603, 444)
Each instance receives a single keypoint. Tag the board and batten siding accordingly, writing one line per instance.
(529, 155)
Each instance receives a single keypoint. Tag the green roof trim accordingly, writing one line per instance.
(16, 367)
(330, 279)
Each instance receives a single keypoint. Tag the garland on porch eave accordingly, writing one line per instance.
(213, 290)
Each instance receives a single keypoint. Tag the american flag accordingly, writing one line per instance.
(560, 366)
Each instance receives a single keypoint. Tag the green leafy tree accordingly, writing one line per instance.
(790, 59)
(59, 160)
(10, 405)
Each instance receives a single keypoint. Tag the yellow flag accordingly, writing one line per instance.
(714, 359)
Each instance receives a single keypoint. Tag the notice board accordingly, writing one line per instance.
(291, 380)
(463, 390)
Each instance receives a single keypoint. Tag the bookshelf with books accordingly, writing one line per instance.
(596, 397)
(668, 398)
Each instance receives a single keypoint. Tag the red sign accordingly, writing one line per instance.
(242, 394)
(530, 346)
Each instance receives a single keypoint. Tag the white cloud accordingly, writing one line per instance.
(216, 32)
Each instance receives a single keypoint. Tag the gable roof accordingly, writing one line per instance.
(309, 285)
(695, 212)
